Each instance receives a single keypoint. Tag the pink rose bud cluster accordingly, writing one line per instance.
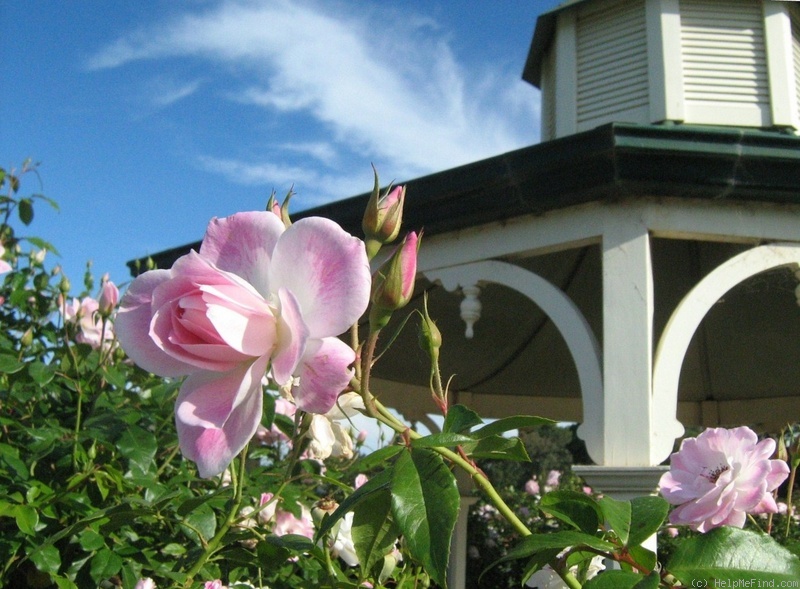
(720, 476)
(91, 317)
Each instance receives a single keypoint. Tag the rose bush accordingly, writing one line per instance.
(242, 380)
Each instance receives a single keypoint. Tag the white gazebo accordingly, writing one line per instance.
(637, 271)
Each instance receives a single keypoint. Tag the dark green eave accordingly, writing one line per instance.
(612, 162)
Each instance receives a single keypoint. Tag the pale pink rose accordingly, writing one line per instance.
(257, 296)
(267, 506)
(553, 478)
(92, 329)
(146, 583)
(361, 479)
(216, 584)
(720, 476)
(532, 487)
(287, 523)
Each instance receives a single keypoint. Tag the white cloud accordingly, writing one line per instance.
(312, 187)
(167, 92)
(391, 92)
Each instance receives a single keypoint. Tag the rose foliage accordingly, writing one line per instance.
(198, 431)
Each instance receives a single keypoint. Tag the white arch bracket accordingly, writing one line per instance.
(684, 322)
(564, 314)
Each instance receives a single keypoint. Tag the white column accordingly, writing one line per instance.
(457, 567)
(627, 341)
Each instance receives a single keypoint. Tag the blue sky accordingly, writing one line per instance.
(151, 117)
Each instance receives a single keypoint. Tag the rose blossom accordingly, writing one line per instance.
(720, 476)
(92, 329)
(257, 296)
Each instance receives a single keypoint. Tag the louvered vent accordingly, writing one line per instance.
(796, 51)
(548, 103)
(611, 44)
(724, 56)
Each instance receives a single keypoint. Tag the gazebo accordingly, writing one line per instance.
(637, 271)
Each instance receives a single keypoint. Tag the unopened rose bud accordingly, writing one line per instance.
(322, 508)
(430, 338)
(64, 285)
(38, 256)
(281, 210)
(393, 283)
(109, 297)
(27, 338)
(782, 452)
(383, 217)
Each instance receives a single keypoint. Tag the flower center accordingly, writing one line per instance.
(714, 475)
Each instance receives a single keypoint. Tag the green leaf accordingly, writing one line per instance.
(41, 373)
(460, 419)
(379, 457)
(174, 549)
(425, 502)
(104, 565)
(498, 448)
(618, 516)
(377, 483)
(201, 521)
(374, 531)
(508, 423)
(647, 515)
(536, 543)
(139, 446)
(27, 519)
(9, 364)
(644, 557)
(615, 580)
(42, 244)
(729, 554)
(294, 542)
(446, 440)
(47, 560)
(578, 510)
(91, 540)
(26, 211)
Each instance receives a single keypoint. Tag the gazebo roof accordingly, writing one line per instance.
(611, 162)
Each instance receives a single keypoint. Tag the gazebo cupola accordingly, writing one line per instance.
(700, 62)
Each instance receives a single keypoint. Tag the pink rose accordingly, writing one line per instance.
(258, 296)
(287, 523)
(85, 315)
(532, 487)
(720, 476)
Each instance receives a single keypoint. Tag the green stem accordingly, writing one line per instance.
(789, 506)
(213, 544)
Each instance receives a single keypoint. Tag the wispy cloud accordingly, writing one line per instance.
(394, 95)
(166, 92)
